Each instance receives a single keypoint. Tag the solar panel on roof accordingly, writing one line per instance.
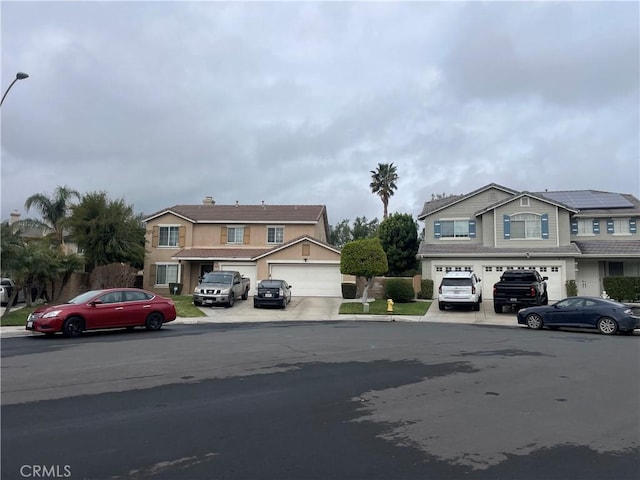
(582, 199)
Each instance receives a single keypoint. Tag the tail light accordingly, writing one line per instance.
(473, 290)
(440, 289)
(533, 291)
(281, 292)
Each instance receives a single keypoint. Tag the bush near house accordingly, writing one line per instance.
(400, 290)
(622, 288)
(349, 290)
(572, 288)
(426, 289)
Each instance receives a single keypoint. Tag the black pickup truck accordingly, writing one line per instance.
(520, 288)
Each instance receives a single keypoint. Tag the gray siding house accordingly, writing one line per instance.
(581, 235)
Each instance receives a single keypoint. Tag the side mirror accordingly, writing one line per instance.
(545, 278)
(96, 302)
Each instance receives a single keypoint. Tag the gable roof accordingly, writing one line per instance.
(525, 194)
(247, 254)
(245, 213)
(439, 204)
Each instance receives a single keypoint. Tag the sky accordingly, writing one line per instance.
(165, 103)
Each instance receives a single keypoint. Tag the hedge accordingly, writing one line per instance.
(622, 288)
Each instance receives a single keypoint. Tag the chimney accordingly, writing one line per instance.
(15, 216)
(237, 203)
(208, 200)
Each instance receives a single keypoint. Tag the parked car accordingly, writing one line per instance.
(606, 315)
(460, 288)
(6, 290)
(221, 288)
(272, 292)
(519, 288)
(99, 309)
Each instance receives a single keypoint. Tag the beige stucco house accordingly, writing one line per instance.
(259, 241)
(581, 235)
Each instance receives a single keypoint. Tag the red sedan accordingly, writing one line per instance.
(98, 309)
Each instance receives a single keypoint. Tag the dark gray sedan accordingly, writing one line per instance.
(608, 316)
(272, 292)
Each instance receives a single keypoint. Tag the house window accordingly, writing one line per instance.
(454, 228)
(166, 273)
(438, 269)
(168, 236)
(235, 234)
(488, 269)
(621, 226)
(526, 225)
(524, 202)
(585, 227)
(275, 234)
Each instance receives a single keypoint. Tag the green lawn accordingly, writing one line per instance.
(379, 307)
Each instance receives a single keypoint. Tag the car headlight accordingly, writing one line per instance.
(51, 314)
(225, 291)
(196, 291)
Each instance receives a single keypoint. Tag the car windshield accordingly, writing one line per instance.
(217, 278)
(85, 297)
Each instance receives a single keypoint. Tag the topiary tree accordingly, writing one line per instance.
(399, 238)
(364, 258)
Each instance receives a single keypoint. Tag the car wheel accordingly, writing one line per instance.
(441, 306)
(534, 321)
(480, 299)
(607, 326)
(154, 321)
(72, 327)
(245, 295)
(476, 307)
(497, 308)
(256, 305)
(545, 299)
(197, 303)
(231, 301)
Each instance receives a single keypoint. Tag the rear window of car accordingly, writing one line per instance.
(270, 284)
(456, 282)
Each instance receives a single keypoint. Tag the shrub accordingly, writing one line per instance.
(349, 290)
(400, 290)
(622, 288)
(426, 289)
(572, 288)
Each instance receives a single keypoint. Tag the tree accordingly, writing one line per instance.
(53, 210)
(107, 231)
(363, 228)
(383, 183)
(399, 238)
(340, 234)
(364, 258)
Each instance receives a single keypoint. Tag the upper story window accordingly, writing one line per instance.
(584, 226)
(449, 229)
(622, 226)
(524, 201)
(526, 226)
(168, 236)
(275, 234)
(235, 234)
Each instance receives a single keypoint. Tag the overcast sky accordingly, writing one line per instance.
(164, 103)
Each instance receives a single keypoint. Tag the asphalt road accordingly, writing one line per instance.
(326, 400)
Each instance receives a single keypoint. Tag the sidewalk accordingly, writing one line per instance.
(324, 309)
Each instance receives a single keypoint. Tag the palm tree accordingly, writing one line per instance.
(383, 183)
(53, 210)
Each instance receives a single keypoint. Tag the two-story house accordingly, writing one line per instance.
(582, 235)
(260, 241)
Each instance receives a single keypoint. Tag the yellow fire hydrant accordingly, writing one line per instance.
(389, 305)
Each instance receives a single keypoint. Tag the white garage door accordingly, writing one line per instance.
(555, 285)
(245, 270)
(310, 280)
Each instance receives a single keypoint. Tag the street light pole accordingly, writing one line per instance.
(19, 76)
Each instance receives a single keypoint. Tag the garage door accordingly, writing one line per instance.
(246, 270)
(310, 280)
(555, 285)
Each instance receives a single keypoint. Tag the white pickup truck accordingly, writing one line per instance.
(221, 288)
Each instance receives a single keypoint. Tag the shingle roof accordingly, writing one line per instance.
(430, 250)
(246, 213)
(435, 205)
(226, 253)
(626, 248)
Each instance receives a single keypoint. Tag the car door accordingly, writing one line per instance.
(563, 313)
(105, 311)
(136, 306)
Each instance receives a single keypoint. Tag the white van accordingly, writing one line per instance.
(460, 288)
